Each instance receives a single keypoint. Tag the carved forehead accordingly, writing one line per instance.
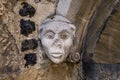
(58, 27)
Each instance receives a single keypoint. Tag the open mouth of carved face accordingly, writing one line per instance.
(56, 52)
(56, 55)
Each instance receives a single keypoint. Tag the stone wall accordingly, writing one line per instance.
(97, 23)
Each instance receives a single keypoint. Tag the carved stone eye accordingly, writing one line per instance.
(50, 35)
(64, 36)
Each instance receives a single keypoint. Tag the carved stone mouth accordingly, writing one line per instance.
(56, 55)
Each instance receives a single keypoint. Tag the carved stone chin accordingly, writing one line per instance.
(57, 37)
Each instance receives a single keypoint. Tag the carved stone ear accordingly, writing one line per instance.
(74, 57)
(73, 28)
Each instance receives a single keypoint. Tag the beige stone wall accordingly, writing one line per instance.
(11, 57)
(97, 23)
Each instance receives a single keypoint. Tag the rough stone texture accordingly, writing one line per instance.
(63, 7)
(82, 19)
(107, 48)
(53, 72)
(101, 44)
(11, 58)
(97, 71)
(9, 53)
(98, 36)
(98, 46)
(13, 65)
(73, 9)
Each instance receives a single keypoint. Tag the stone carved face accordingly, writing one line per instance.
(57, 40)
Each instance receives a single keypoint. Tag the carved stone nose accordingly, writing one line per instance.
(57, 43)
(56, 40)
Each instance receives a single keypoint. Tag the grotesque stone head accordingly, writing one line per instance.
(56, 37)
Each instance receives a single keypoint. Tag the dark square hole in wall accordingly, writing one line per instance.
(30, 59)
(27, 9)
(29, 44)
(27, 27)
